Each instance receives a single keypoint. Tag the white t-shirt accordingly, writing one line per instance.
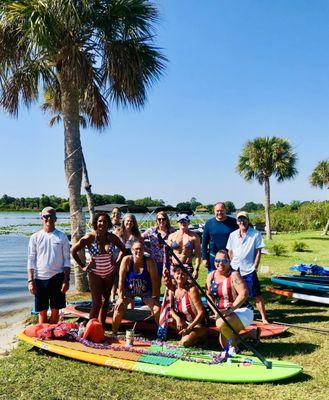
(244, 249)
(48, 254)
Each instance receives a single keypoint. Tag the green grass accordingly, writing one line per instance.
(32, 374)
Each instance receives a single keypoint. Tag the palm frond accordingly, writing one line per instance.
(130, 67)
(320, 175)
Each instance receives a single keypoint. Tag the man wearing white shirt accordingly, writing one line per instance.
(49, 267)
(245, 246)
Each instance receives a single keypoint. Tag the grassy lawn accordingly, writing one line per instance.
(27, 373)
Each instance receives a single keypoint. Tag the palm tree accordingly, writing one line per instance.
(320, 178)
(263, 157)
(89, 54)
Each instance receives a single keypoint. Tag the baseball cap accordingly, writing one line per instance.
(48, 210)
(183, 216)
(242, 214)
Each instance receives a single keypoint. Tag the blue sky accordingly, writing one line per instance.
(237, 69)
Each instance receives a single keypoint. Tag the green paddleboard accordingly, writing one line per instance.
(240, 368)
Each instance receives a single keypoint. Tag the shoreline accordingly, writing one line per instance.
(11, 323)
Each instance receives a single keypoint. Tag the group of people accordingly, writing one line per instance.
(124, 263)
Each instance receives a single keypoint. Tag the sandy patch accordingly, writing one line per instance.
(11, 323)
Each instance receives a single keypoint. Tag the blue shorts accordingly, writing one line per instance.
(48, 293)
(252, 283)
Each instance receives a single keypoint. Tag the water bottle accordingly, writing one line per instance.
(81, 329)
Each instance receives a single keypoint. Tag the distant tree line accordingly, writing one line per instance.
(62, 204)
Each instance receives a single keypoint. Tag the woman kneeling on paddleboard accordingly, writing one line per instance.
(101, 269)
(137, 277)
(186, 309)
(230, 293)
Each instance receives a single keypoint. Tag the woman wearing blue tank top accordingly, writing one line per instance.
(137, 277)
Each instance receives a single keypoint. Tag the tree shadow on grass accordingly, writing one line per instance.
(302, 377)
(314, 238)
(305, 319)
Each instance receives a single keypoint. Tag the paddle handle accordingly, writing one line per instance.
(321, 330)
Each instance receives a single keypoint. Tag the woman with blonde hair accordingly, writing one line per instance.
(128, 232)
(156, 249)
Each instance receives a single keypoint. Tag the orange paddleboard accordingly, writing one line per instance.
(131, 316)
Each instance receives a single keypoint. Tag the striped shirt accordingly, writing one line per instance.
(185, 307)
(224, 291)
(104, 262)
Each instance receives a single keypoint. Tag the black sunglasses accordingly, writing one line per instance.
(48, 216)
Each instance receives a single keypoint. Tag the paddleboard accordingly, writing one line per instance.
(298, 282)
(131, 316)
(240, 369)
(299, 296)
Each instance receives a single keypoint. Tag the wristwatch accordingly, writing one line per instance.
(230, 310)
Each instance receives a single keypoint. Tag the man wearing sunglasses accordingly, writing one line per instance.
(245, 246)
(49, 267)
(215, 234)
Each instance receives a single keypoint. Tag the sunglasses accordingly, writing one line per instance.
(222, 260)
(161, 219)
(242, 219)
(48, 216)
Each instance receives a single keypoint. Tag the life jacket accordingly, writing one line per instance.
(94, 331)
(50, 331)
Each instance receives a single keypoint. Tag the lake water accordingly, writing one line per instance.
(15, 229)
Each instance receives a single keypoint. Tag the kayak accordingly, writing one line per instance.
(299, 296)
(173, 361)
(144, 322)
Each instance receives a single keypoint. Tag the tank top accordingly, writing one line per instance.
(224, 292)
(185, 308)
(103, 261)
(138, 284)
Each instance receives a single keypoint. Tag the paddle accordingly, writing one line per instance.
(320, 330)
(268, 364)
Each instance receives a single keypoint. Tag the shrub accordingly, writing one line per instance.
(279, 249)
(299, 246)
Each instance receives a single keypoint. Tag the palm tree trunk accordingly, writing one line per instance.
(73, 172)
(89, 194)
(325, 231)
(267, 209)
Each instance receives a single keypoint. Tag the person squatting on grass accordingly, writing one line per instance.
(245, 247)
(229, 291)
(101, 268)
(137, 277)
(49, 267)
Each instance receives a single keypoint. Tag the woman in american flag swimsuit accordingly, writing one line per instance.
(186, 309)
(101, 268)
(229, 291)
